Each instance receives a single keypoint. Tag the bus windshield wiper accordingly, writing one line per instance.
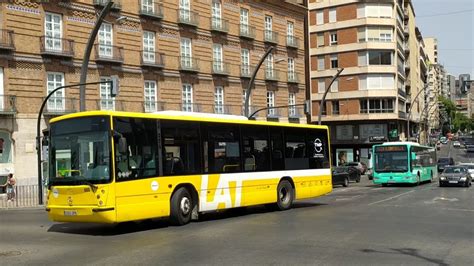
(85, 182)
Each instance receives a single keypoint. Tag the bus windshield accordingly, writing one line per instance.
(80, 151)
(391, 159)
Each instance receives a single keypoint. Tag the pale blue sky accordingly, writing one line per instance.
(455, 32)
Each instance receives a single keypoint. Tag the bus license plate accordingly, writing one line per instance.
(453, 182)
(70, 213)
(392, 181)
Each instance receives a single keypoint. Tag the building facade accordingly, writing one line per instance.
(195, 56)
(435, 81)
(368, 103)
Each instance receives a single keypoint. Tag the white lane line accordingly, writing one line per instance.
(391, 198)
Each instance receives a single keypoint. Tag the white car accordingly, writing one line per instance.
(457, 144)
(470, 168)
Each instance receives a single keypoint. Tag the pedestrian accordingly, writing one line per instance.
(11, 182)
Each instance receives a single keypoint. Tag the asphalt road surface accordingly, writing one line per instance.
(363, 224)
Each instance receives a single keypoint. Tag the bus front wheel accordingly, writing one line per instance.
(181, 207)
(285, 195)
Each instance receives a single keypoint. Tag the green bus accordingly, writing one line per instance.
(403, 162)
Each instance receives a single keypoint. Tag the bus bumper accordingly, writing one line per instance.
(398, 180)
(83, 214)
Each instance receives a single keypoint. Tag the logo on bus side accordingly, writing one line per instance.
(228, 192)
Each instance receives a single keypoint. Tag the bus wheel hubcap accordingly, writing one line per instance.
(185, 205)
(284, 197)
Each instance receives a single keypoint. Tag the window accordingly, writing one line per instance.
(5, 147)
(53, 31)
(217, 62)
(292, 101)
(334, 61)
(244, 95)
(216, 14)
(150, 96)
(290, 30)
(182, 154)
(219, 100)
(271, 103)
(269, 66)
(335, 107)
(375, 34)
(291, 69)
(335, 86)
(320, 62)
(320, 17)
(142, 152)
(380, 57)
(332, 15)
(256, 150)
(377, 82)
(268, 28)
(186, 53)
(148, 46)
(333, 38)
(222, 149)
(185, 10)
(105, 40)
(321, 86)
(320, 39)
(376, 106)
(187, 98)
(2, 92)
(245, 58)
(375, 10)
(148, 6)
(107, 102)
(244, 21)
(56, 102)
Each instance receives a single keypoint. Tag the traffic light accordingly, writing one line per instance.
(115, 86)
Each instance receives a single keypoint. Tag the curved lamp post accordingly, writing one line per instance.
(323, 100)
(409, 110)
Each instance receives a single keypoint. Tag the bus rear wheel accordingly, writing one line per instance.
(181, 207)
(285, 195)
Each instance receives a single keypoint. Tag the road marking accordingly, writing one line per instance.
(339, 198)
(391, 198)
(440, 199)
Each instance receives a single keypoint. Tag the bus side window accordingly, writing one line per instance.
(256, 151)
(295, 147)
(223, 149)
(318, 149)
(278, 152)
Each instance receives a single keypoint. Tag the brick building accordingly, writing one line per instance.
(169, 55)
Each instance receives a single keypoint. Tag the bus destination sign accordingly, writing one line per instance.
(390, 148)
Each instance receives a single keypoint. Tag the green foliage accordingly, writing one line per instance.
(459, 121)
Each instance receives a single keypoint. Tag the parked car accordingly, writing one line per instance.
(456, 144)
(359, 166)
(342, 175)
(455, 175)
(444, 140)
(443, 162)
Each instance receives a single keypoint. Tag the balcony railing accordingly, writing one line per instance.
(56, 46)
(247, 31)
(155, 10)
(101, 3)
(246, 71)
(295, 112)
(108, 53)
(271, 75)
(190, 107)
(402, 93)
(271, 36)
(222, 109)
(292, 41)
(220, 68)
(187, 63)
(273, 113)
(219, 25)
(60, 106)
(402, 115)
(152, 59)
(110, 104)
(6, 40)
(7, 104)
(293, 77)
(153, 106)
(188, 17)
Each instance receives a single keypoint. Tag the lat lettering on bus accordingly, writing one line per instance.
(222, 195)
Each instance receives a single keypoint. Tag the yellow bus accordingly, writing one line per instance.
(112, 167)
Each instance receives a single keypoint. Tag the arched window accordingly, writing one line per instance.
(5, 147)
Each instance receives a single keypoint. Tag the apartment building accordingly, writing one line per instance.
(195, 56)
(368, 103)
(435, 79)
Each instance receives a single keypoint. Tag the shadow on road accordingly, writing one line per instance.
(408, 252)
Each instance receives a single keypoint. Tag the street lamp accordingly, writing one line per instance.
(409, 110)
(87, 54)
(323, 100)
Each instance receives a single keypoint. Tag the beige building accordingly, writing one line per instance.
(169, 55)
(435, 80)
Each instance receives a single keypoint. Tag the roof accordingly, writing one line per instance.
(187, 116)
(402, 143)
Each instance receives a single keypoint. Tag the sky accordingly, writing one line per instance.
(452, 23)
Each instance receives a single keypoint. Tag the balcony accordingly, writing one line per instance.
(6, 40)
(219, 25)
(56, 47)
(252, 109)
(292, 42)
(187, 63)
(222, 109)
(271, 75)
(273, 113)
(402, 93)
(108, 53)
(406, 30)
(402, 115)
(110, 104)
(295, 112)
(293, 77)
(188, 17)
(7, 105)
(154, 11)
(153, 106)
(246, 71)
(60, 106)
(220, 68)
(117, 5)
(190, 107)
(271, 36)
(247, 32)
(152, 59)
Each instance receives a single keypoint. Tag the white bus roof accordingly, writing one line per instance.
(203, 115)
(402, 143)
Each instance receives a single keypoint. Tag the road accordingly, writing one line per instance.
(363, 224)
